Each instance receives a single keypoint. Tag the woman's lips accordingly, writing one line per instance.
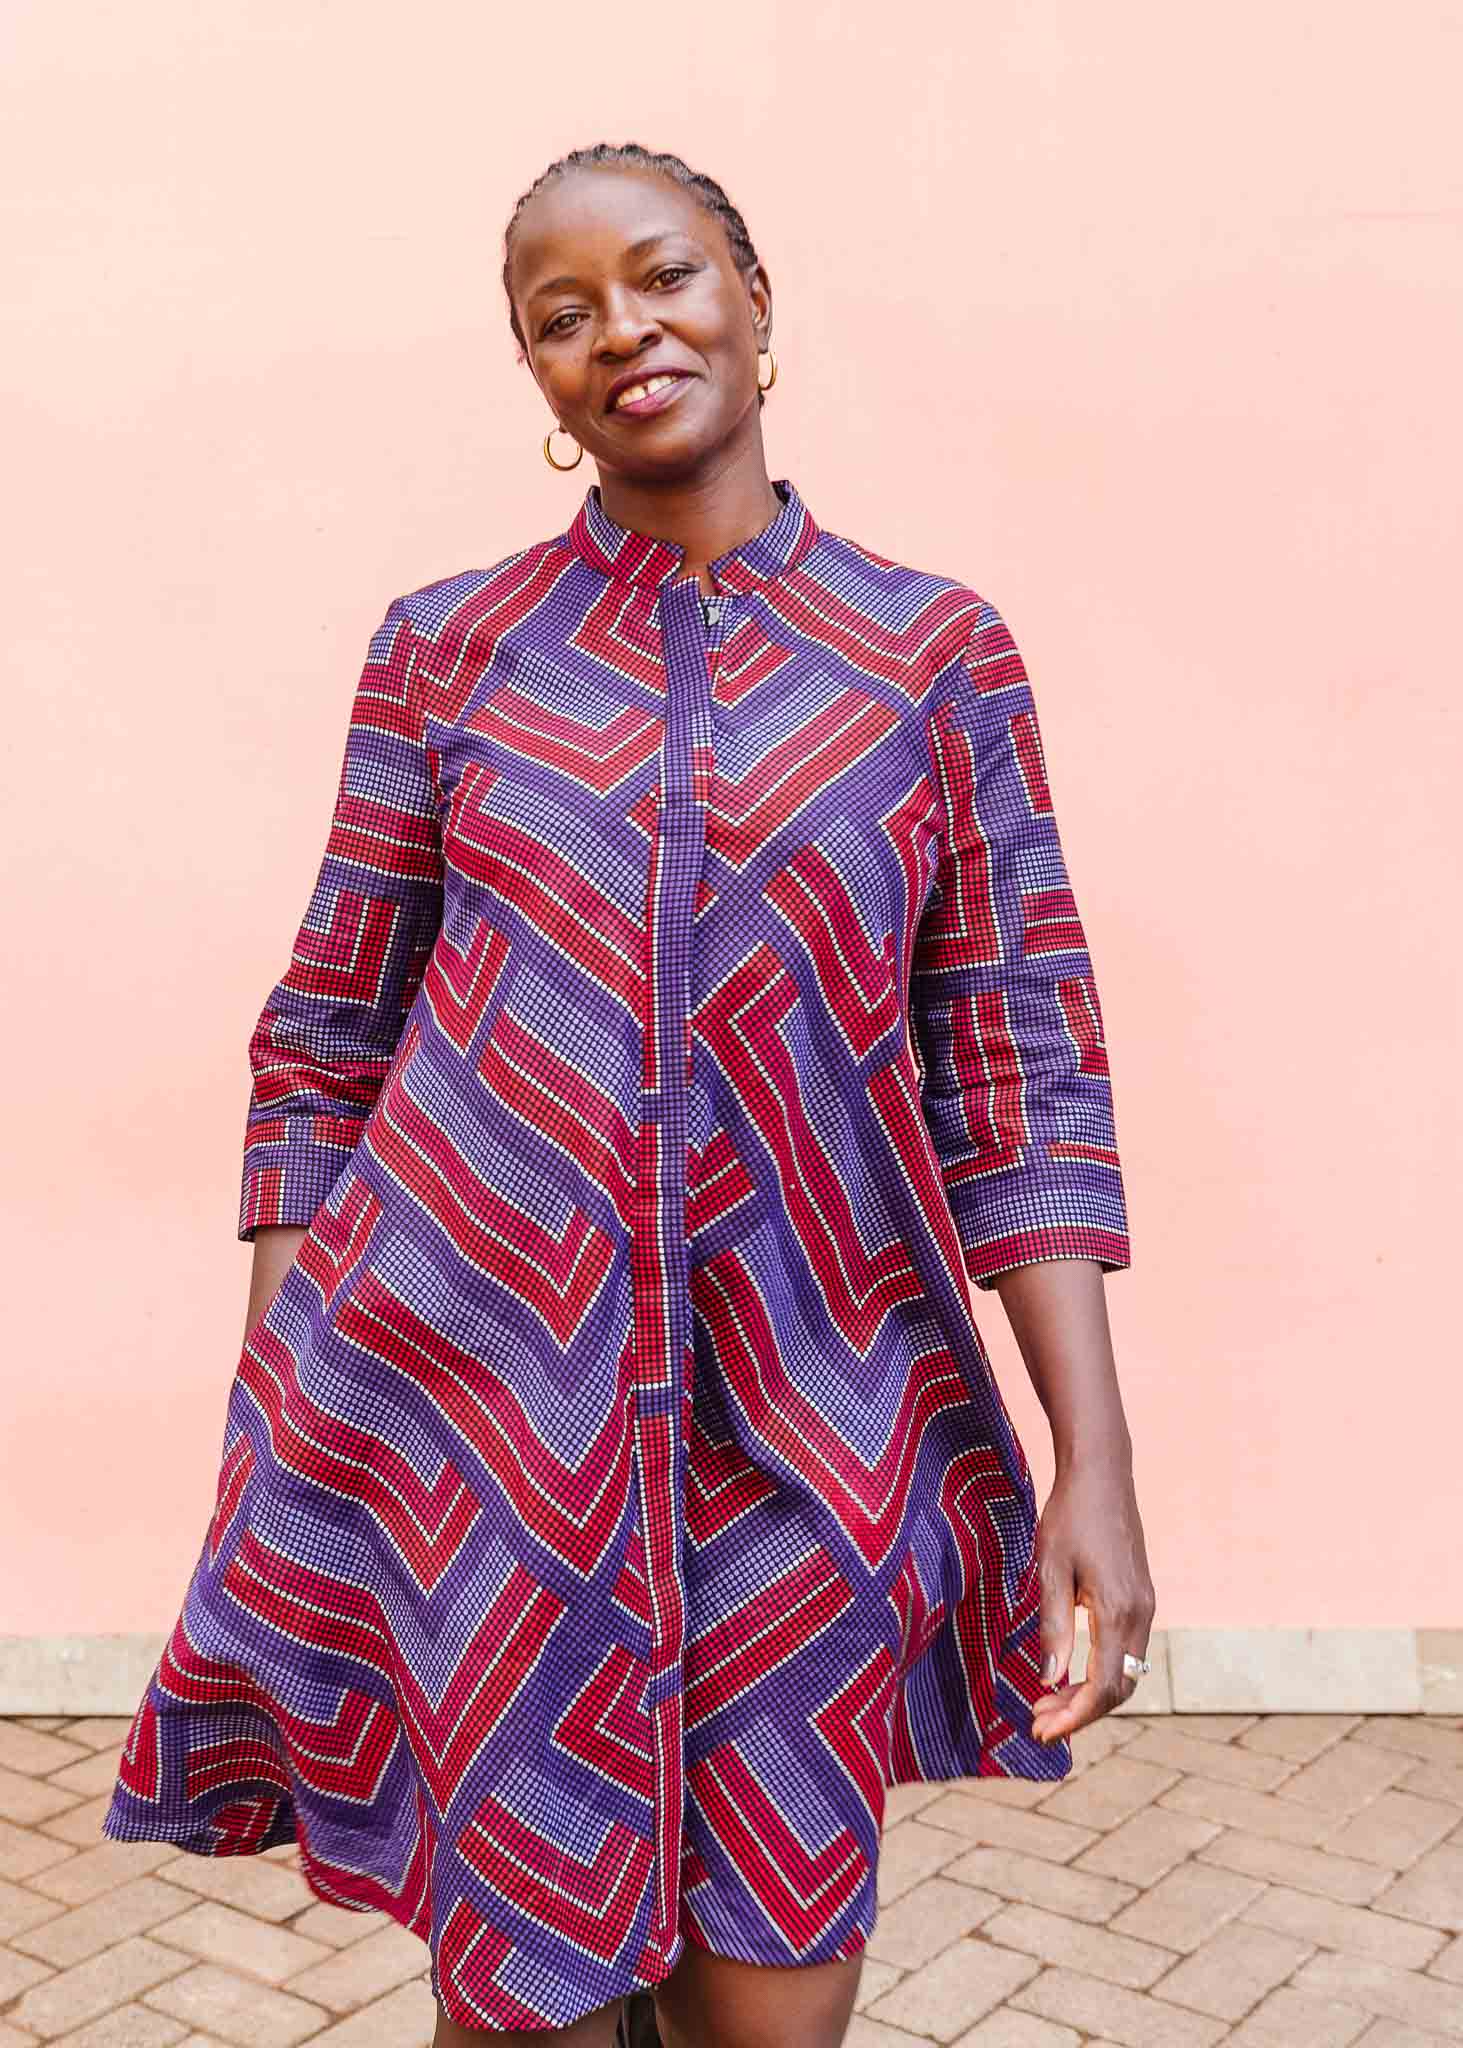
(654, 401)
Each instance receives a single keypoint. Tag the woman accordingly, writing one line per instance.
(615, 1495)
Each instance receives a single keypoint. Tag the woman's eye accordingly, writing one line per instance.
(673, 270)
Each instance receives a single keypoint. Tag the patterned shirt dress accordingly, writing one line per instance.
(615, 1495)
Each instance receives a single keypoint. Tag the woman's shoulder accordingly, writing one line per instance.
(432, 605)
(929, 608)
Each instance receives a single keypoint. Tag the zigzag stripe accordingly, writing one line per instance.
(592, 1905)
(426, 1525)
(573, 1510)
(801, 1894)
(869, 1500)
(741, 1021)
(558, 1280)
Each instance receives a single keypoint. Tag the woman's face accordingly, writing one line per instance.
(620, 274)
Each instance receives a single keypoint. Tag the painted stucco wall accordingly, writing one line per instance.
(1146, 323)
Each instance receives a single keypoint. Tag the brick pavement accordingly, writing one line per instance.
(1270, 1881)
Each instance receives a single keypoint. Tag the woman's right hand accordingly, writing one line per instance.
(275, 1246)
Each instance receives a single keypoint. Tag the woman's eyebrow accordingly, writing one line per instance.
(638, 248)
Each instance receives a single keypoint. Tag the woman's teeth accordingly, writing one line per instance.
(637, 391)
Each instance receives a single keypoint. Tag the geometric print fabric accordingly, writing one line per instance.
(615, 1497)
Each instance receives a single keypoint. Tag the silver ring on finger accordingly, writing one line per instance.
(1134, 1667)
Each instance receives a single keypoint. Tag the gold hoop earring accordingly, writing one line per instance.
(772, 358)
(548, 454)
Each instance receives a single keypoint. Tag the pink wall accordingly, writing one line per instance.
(1146, 323)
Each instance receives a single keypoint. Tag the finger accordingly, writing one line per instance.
(1058, 1618)
(1109, 1641)
(1060, 1714)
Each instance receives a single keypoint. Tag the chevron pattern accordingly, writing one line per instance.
(615, 1498)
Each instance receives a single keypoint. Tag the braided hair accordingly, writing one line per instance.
(703, 189)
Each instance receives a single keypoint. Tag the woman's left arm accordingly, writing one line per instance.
(1017, 1096)
(1089, 1547)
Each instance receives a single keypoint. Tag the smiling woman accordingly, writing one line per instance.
(692, 1006)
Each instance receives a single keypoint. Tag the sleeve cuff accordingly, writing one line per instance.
(290, 1166)
(1000, 1228)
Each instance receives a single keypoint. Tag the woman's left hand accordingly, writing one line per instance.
(1090, 1553)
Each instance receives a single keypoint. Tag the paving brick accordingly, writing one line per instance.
(94, 1772)
(23, 1851)
(1131, 2019)
(77, 1878)
(1223, 1761)
(18, 1973)
(251, 1883)
(33, 1753)
(1346, 1777)
(903, 1802)
(1234, 1969)
(1418, 2001)
(1094, 1951)
(1309, 1870)
(1209, 1727)
(127, 2026)
(1037, 1834)
(910, 1852)
(1146, 1847)
(1007, 2029)
(29, 1800)
(81, 1823)
(1330, 1925)
(1289, 2018)
(12, 2037)
(875, 1978)
(1079, 1894)
(99, 1731)
(215, 1933)
(1420, 1735)
(21, 1908)
(919, 1924)
(1448, 1962)
(1297, 1736)
(1388, 2034)
(336, 1926)
(862, 2033)
(1188, 1906)
(1101, 1738)
(403, 2019)
(1255, 1813)
(1394, 1830)
(960, 1986)
(70, 1998)
(237, 2009)
(1431, 1891)
(1004, 1791)
(1434, 1781)
(1109, 1792)
(64, 1937)
(390, 1956)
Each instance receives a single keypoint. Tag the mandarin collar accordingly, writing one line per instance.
(629, 556)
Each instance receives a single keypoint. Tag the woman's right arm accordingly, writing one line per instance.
(274, 1254)
(324, 1041)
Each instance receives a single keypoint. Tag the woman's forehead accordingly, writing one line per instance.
(601, 218)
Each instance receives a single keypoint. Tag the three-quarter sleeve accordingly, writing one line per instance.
(324, 1040)
(1003, 1003)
